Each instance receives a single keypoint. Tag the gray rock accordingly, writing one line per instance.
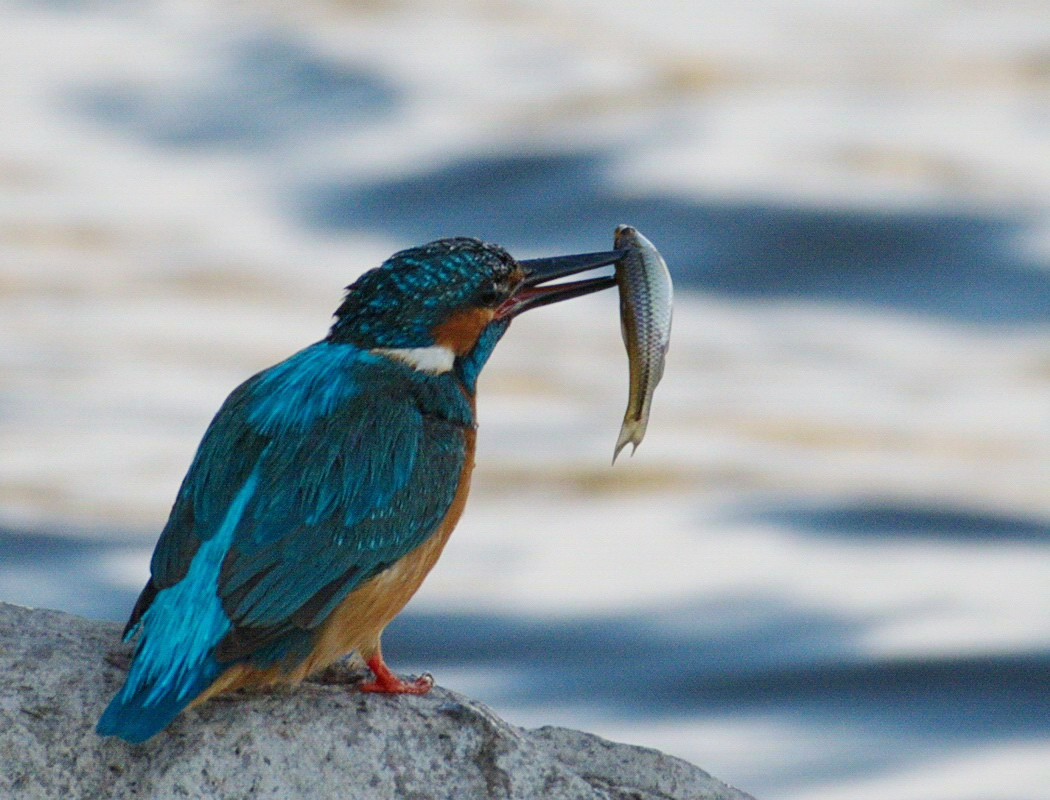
(318, 740)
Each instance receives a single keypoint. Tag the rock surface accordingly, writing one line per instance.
(318, 740)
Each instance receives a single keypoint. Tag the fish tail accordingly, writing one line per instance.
(631, 431)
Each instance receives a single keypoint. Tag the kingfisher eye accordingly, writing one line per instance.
(491, 297)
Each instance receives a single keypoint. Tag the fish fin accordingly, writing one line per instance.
(632, 431)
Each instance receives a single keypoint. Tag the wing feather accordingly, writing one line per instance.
(357, 460)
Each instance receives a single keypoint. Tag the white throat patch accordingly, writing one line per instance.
(435, 359)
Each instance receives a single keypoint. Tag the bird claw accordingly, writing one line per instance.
(394, 685)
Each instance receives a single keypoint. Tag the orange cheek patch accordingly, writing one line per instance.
(460, 331)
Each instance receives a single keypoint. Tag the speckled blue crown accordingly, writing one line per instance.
(399, 303)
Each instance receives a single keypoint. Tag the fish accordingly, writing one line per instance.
(646, 298)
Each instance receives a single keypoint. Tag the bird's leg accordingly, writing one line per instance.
(386, 682)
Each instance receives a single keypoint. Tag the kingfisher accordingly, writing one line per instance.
(326, 486)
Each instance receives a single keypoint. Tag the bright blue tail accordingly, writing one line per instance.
(135, 716)
(174, 659)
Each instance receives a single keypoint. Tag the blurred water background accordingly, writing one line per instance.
(824, 574)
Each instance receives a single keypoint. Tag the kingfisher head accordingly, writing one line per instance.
(445, 305)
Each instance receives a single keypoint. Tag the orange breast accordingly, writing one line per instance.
(358, 622)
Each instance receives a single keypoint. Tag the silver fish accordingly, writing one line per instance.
(646, 295)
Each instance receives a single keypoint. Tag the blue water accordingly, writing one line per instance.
(953, 264)
(268, 92)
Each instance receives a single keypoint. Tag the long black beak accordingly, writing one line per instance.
(540, 270)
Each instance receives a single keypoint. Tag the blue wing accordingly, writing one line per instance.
(315, 475)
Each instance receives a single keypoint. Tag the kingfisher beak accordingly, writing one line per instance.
(541, 270)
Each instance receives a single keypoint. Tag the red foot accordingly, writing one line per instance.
(387, 682)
